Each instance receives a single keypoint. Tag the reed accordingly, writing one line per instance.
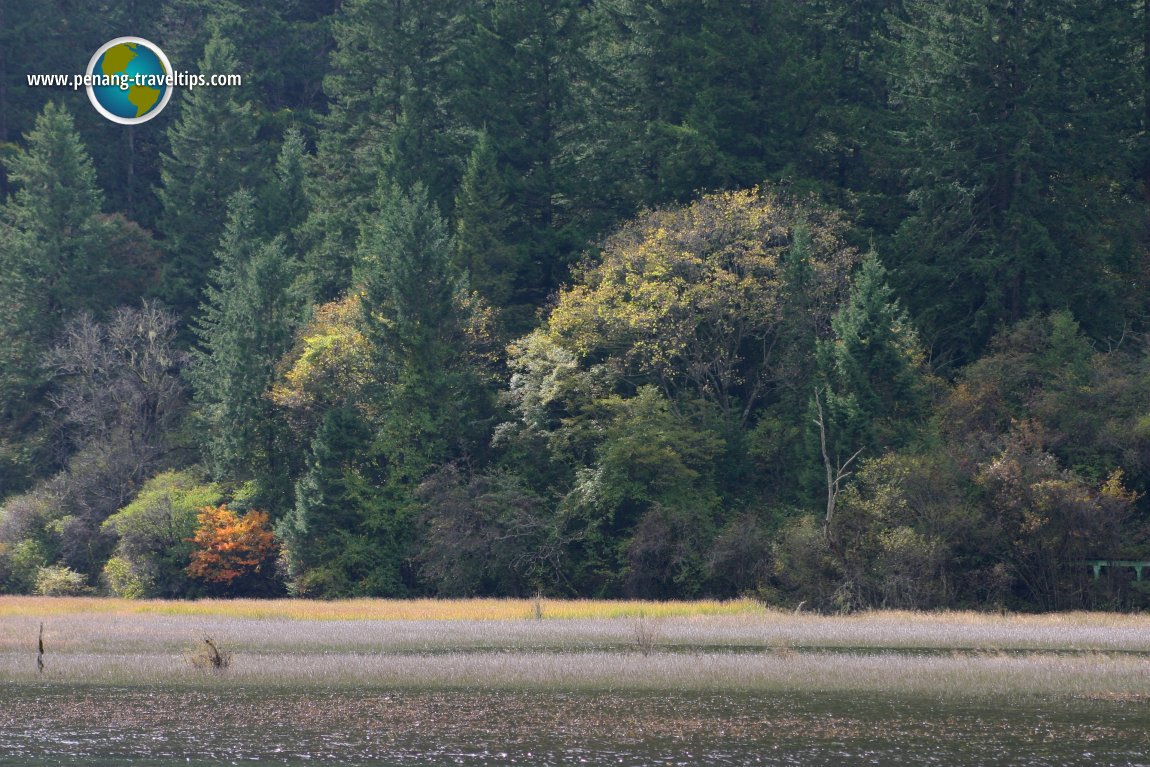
(378, 609)
(119, 642)
(209, 657)
(1101, 676)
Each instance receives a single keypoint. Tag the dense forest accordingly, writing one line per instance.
(824, 302)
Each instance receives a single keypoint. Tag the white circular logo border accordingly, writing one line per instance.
(167, 71)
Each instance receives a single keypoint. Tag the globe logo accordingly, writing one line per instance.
(129, 80)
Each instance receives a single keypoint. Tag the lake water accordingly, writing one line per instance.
(53, 724)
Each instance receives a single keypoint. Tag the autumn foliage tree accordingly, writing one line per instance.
(234, 554)
(678, 357)
(703, 301)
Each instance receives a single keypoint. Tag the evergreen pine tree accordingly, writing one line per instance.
(388, 87)
(338, 540)
(532, 54)
(844, 147)
(211, 158)
(285, 200)
(36, 36)
(1015, 119)
(705, 96)
(414, 319)
(872, 374)
(352, 518)
(54, 262)
(247, 324)
(485, 250)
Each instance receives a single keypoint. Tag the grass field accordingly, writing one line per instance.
(555, 682)
(374, 609)
(575, 645)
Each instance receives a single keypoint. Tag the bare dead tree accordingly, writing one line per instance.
(836, 473)
(119, 378)
(118, 398)
(40, 654)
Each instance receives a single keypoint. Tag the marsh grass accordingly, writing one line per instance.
(1091, 656)
(781, 648)
(532, 688)
(377, 609)
(1084, 676)
(646, 634)
(209, 657)
(89, 631)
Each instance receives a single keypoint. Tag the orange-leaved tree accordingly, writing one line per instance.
(231, 549)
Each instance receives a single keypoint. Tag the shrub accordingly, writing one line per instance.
(805, 568)
(19, 564)
(487, 533)
(646, 635)
(210, 657)
(740, 558)
(61, 581)
(122, 580)
(155, 532)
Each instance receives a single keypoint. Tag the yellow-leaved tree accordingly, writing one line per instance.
(709, 300)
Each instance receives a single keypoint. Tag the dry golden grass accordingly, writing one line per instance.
(518, 609)
(500, 643)
(376, 609)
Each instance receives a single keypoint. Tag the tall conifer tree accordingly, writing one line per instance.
(388, 86)
(54, 261)
(1015, 118)
(872, 373)
(414, 317)
(248, 320)
(484, 234)
(211, 157)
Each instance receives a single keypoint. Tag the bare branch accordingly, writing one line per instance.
(835, 474)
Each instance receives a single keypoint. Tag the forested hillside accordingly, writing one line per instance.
(835, 303)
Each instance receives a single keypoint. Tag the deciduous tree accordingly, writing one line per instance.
(236, 553)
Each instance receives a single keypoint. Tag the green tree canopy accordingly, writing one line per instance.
(1015, 126)
(248, 323)
(212, 155)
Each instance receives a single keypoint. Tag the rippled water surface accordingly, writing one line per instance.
(96, 725)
